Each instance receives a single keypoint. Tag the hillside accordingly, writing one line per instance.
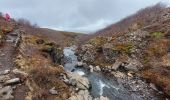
(30, 58)
(128, 60)
(138, 45)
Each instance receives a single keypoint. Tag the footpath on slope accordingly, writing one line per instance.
(8, 80)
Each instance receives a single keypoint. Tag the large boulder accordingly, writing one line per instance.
(79, 81)
(82, 95)
(133, 65)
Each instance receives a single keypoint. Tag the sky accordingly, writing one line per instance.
(74, 15)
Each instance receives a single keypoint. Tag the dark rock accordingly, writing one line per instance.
(40, 41)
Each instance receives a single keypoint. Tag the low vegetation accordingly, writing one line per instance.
(143, 36)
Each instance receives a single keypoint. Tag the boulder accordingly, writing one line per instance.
(79, 64)
(6, 93)
(133, 65)
(82, 95)
(91, 68)
(101, 98)
(97, 68)
(79, 81)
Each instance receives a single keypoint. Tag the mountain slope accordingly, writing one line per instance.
(139, 43)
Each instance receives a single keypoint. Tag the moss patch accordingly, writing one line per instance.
(157, 35)
(123, 48)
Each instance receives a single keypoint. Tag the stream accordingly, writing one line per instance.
(102, 85)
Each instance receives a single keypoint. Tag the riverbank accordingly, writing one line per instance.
(114, 85)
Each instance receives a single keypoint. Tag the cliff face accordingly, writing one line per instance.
(141, 43)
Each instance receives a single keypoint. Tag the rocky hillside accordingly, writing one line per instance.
(139, 45)
(130, 58)
(30, 62)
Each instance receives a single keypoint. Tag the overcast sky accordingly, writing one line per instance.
(74, 15)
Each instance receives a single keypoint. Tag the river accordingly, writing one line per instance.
(102, 84)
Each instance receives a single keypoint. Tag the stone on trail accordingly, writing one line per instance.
(3, 78)
(12, 81)
(17, 71)
(4, 72)
(6, 93)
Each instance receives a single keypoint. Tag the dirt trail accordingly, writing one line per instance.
(7, 52)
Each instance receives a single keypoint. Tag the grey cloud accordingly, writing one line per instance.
(74, 15)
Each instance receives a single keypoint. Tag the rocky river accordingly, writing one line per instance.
(118, 86)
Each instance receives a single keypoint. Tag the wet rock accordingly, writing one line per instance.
(102, 98)
(73, 82)
(12, 81)
(79, 64)
(6, 93)
(53, 91)
(97, 68)
(4, 72)
(91, 68)
(82, 95)
(79, 81)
